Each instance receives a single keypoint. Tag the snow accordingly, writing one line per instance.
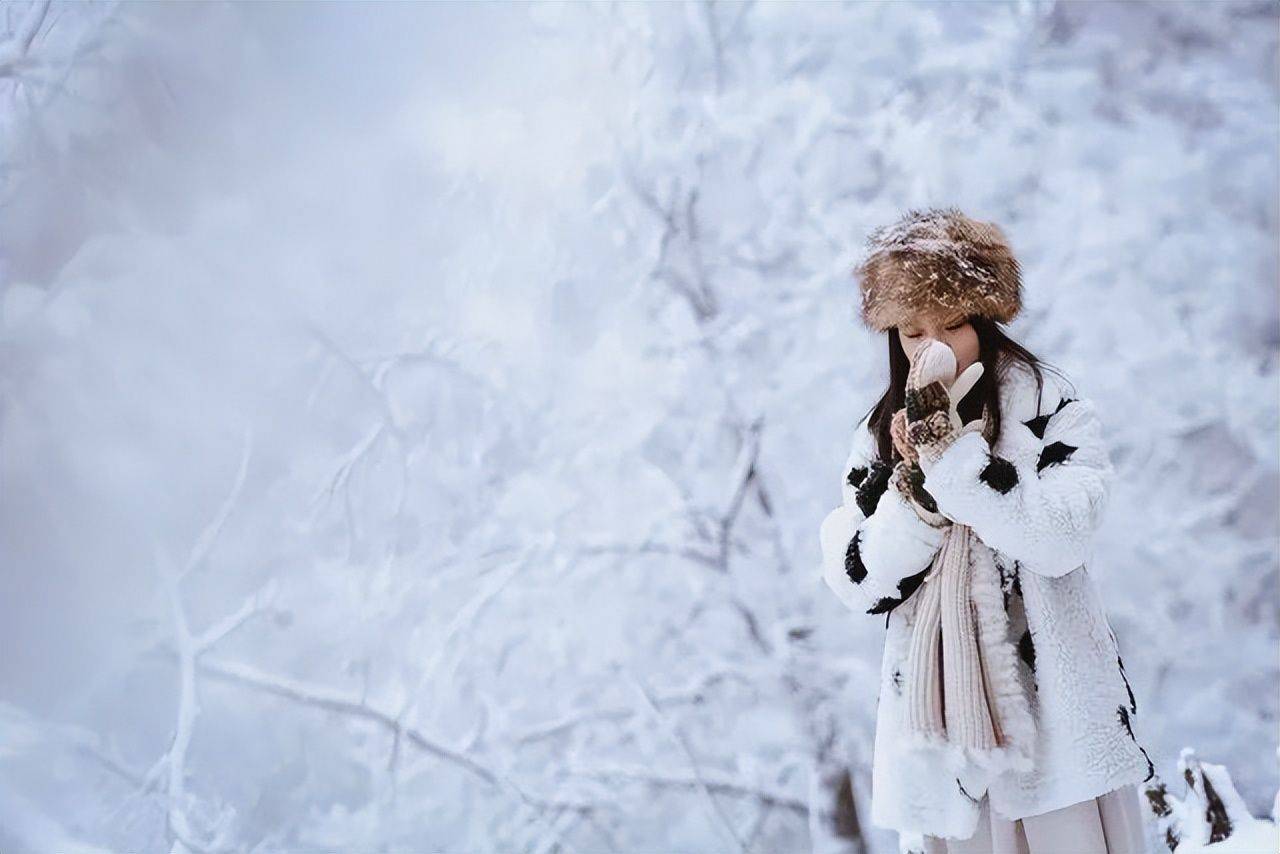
(415, 419)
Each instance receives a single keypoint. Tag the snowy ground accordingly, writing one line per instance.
(415, 419)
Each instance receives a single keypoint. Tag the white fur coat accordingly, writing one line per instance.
(1033, 501)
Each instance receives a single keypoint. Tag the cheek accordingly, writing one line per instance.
(966, 346)
(964, 343)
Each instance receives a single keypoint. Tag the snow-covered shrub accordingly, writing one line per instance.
(1210, 816)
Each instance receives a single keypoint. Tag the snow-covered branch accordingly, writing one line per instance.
(1210, 816)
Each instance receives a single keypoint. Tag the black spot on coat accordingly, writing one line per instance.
(1027, 649)
(1040, 422)
(1054, 453)
(1008, 581)
(873, 486)
(1123, 714)
(1133, 703)
(884, 605)
(856, 475)
(1000, 474)
(906, 587)
(853, 565)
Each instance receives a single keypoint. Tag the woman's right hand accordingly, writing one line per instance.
(901, 440)
(908, 477)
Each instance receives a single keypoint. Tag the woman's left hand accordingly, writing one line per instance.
(933, 396)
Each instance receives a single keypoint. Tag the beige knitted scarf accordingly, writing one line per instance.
(963, 690)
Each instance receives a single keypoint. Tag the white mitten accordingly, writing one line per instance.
(933, 396)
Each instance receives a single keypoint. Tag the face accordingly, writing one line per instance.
(951, 328)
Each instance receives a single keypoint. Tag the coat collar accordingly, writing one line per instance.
(1020, 400)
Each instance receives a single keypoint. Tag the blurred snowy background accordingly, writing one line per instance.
(415, 419)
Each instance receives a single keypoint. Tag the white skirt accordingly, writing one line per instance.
(1107, 824)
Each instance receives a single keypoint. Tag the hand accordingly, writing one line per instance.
(933, 396)
(901, 442)
(907, 475)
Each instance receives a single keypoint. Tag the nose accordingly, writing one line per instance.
(941, 335)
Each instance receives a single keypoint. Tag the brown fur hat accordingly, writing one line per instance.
(937, 259)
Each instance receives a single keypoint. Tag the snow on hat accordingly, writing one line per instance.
(937, 259)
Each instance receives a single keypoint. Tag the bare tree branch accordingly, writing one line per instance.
(674, 731)
(709, 781)
(15, 51)
(334, 701)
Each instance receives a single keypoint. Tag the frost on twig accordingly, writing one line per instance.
(189, 646)
(338, 702)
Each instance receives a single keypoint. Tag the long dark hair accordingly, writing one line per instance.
(992, 342)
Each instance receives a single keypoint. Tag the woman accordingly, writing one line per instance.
(1005, 719)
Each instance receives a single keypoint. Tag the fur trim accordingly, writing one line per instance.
(1008, 696)
(938, 259)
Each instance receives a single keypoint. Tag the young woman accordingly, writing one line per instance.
(1005, 719)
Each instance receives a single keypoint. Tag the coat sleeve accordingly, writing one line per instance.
(1041, 510)
(875, 547)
